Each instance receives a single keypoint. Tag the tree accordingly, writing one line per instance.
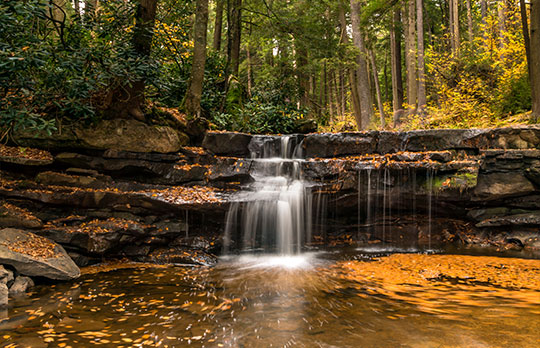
(395, 66)
(194, 91)
(234, 34)
(218, 24)
(535, 58)
(410, 55)
(362, 78)
(421, 66)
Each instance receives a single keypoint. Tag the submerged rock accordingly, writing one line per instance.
(34, 255)
(20, 285)
(180, 255)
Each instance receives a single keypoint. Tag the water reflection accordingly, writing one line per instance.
(402, 300)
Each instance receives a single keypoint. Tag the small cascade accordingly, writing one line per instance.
(275, 214)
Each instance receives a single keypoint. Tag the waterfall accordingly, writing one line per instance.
(275, 213)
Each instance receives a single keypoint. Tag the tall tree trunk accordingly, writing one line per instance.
(330, 95)
(127, 102)
(303, 78)
(362, 75)
(454, 26)
(377, 88)
(410, 56)
(483, 16)
(234, 19)
(355, 99)
(218, 25)
(501, 15)
(421, 66)
(395, 66)
(469, 22)
(194, 91)
(526, 37)
(249, 70)
(535, 58)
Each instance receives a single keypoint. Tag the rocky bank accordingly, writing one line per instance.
(155, 200)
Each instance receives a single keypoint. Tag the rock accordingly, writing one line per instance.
(130, 135)
(231, 170)
(33, 255)
(501, 185)
(4, 295)
(487, 213)
(180, 255)
(20, 285)
(6, 276)
(60, 179)
(13, 216)
(227, 143)
(339, 144)
(530, 218)
(97, 236)
(57, 141)
(441, 139)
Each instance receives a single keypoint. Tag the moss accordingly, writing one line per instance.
(460, 181)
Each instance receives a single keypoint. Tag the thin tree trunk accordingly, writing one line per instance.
(395, 67)
(469, 22)
(385, 75)
(194, 91)
(421, 66)
(454, 26)
(410, 56)
(336, 95)
(249, 70)
(355, 99)
(501, 14)
(535, 58)
(234, 19)
(483, 15)
(218, 24)
(330, 96)
(362, 75)
(526, 37)
(377, 88)
(342, 101)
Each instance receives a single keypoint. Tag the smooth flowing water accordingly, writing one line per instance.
(274, 214)
(357, 299)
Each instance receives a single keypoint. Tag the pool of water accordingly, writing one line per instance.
(360, 299)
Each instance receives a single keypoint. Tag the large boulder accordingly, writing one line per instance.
(33, 255)
(131, 135)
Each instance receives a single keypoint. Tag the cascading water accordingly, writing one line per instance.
(274, 215)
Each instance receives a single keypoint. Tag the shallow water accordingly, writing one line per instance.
(313, 300)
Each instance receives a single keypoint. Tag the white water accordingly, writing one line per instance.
(275, 216)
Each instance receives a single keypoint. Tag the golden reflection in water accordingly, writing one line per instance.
(403, 300)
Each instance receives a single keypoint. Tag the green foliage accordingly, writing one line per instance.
(65, 71)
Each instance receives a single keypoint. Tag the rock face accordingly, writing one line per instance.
(227, 143)
(130, 135)
(32, 255)
(480, 187)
